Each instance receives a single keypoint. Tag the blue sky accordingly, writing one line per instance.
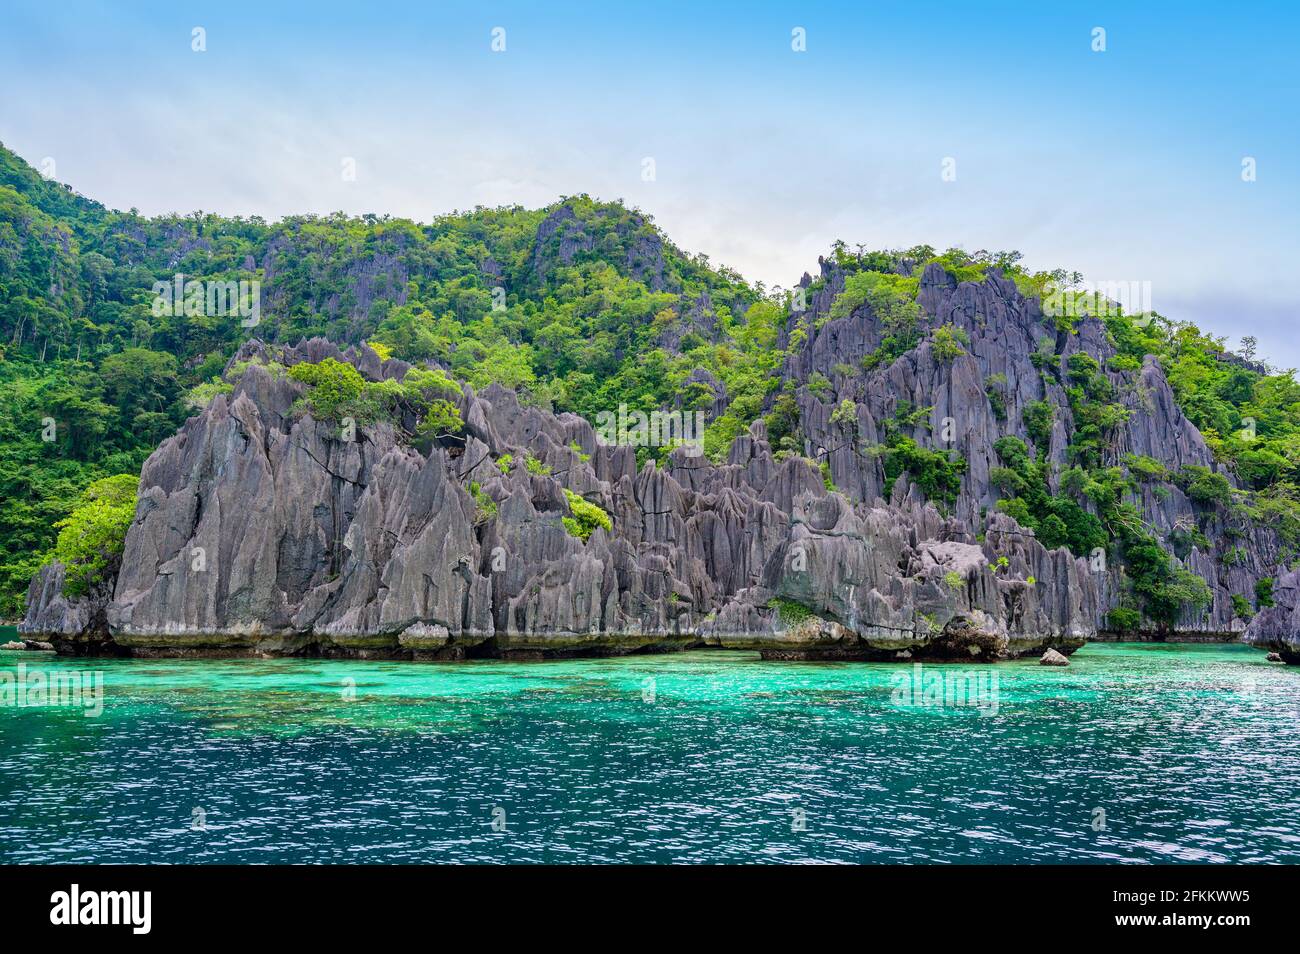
(1123, 164)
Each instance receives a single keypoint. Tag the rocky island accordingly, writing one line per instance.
(910, 456)
(308, 543)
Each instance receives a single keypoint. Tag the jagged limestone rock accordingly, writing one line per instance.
(261, 529)
(52, 614)
(1004, 329)
(1277, 627)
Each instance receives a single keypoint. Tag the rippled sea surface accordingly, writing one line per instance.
(1143, 753)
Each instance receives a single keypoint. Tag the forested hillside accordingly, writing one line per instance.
(583, 306)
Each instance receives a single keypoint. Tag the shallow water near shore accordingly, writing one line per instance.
(1135, 752)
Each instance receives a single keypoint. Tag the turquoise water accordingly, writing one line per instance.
(1191, 752)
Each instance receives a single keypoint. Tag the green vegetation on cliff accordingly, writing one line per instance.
(91, 537)
(586, 519)
(581, 306)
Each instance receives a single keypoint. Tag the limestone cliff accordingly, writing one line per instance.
(260, 529)
(1005, 329)
(1277, 628)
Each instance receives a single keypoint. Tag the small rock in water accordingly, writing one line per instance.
(38, 644)
(1053, 658)
(1274, 657)
(14, 645)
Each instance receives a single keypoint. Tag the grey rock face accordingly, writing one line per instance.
(562, 239)
(1005, 329)
(1277, 628)
(50, 613)
(259, 529)
(697, 317)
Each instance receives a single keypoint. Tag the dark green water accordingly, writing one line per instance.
(1191, 752)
